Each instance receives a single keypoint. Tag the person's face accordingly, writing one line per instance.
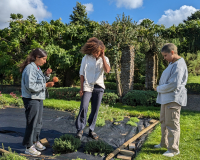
(168, 56)
(40, 61)
(96, 54)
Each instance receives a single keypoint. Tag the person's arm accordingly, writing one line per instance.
(106, 66)
(173, 83)
(81, 72)
(82, 81)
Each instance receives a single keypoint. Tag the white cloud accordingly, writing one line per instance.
(129, 4)
(89, 7)
(175, 17)
(24, 7)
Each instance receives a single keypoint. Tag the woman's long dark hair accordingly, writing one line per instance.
(38, 52)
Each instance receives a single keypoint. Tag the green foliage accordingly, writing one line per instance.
(192, 61)
(68, 93)
(111, 85)
(133, 121)
(3, 101)
(17, 101)
(138, 86)
(110, 98)
(11, 156)
(99, 147)
(66, 143)
(194, 16)
(119, 118)
(193, 88)
(79, 14)
(140, 97)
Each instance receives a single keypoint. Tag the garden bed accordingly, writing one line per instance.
(57, 123)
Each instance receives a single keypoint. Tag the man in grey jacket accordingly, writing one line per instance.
(172, 94)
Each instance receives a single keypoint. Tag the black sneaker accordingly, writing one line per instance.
(93, 135)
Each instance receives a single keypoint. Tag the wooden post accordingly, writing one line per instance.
(131, 146)
(124, 157)
(127, 152)
(3, 151)
(111, 155)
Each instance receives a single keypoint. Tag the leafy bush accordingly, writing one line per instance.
(193, 88)
(99, 147)
(138, 86)
(133, 121)
(111, 85)
(68, 93)
(110, 77)
(11, 156)
(110, 98)
(119, 118)
(140, 97)
(192, 61)
(3, 101)
(17, 101)
(66, 143)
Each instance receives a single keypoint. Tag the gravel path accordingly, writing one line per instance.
(193, 103)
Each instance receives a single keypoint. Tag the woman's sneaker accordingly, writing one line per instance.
(32, 151)
(157, 146)
(39, 146)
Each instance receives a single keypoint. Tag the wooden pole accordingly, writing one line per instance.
(111, 155)
(3, 151)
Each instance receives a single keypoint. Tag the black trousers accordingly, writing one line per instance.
(33, 112)
(96, 97)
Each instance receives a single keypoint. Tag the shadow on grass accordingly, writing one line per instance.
(150, 148)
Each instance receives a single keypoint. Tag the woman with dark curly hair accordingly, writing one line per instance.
(92, 69)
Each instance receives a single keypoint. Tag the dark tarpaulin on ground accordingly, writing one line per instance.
(57, 123)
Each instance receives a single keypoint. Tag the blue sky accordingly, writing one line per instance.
(167, 12)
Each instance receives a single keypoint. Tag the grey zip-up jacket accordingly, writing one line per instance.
(172, 84)
(33, 83)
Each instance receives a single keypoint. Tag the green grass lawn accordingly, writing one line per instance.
(190, 126)
(193, 79)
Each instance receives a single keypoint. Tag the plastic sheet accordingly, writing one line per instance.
(57, 123)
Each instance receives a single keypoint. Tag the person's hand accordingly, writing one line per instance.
(102, 54)
(81, 93)
(48, 71)
(49, 84)
(155, 89)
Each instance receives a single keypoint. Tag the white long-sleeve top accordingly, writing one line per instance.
(172, 84)
(93, 71)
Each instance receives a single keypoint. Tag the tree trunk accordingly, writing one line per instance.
(119, 89)
(127, 69)
(151, 70)
(156, 69)
(68, 80)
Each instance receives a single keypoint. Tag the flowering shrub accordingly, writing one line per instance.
(17, 101)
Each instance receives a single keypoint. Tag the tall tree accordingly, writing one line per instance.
(194, 16)
(150, 46)
(117, 37)
(79, 14)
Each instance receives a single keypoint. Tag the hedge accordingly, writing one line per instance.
(140, 97)
(193, 88)
(70, 93)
